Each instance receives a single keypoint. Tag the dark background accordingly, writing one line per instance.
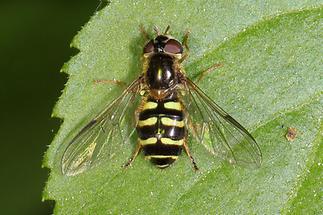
(34, 43)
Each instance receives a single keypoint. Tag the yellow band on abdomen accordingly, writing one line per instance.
(152, 140)
(161, 156)
(173, 105)
(149, 106)
(171, 122)
(147, 122)
(169, 141)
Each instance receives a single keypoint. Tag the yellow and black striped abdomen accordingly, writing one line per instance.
(161, 130)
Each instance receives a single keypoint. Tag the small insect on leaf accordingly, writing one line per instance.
(166, 107)
(291, 134)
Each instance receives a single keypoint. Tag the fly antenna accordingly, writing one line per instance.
(156, 29)
(167, 29)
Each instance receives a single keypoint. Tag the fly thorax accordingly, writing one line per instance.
(160, 74)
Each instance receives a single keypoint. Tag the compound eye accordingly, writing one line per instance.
(173, 46)
(149, 47)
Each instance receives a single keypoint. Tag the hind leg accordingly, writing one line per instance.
(134, 155)
(187, 150)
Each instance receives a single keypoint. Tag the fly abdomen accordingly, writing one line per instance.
(174, 130)
(161, 130)
(162, 155)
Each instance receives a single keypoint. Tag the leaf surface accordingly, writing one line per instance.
(271, 79)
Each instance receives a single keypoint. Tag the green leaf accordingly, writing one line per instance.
(272, 79)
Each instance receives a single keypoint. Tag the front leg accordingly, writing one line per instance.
(185, 44)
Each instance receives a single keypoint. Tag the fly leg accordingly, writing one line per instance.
(119, 83)
(187, 150)
(185, 39)
(134, 155)
(186, 54)
(199, 77)
(113, 81)
(144, 32)
(185, 44)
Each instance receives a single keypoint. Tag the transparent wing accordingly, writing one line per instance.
(94, 140)
(222, 135)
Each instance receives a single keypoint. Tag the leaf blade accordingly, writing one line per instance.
(104, 189)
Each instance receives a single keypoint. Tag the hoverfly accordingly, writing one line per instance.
(167, 107)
